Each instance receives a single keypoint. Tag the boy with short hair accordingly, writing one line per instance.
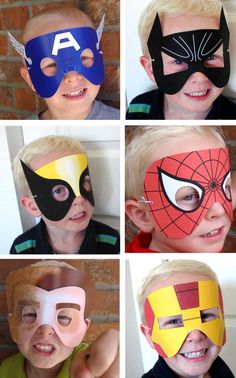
(64, 64)
(182, 317)
(185, 49)
(49, 304)
(178, 189)
(54, 183)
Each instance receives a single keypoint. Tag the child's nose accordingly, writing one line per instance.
(215, 211)
(77, 201)
(195, 336)
(198, 77)
(45, 330)
(72, 76)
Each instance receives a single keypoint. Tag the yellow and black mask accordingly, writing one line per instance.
(56, 184)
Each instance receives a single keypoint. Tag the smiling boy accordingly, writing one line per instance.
(186, 52)
(64, 64)
(182, 316)
(54, 182)
(178, 189)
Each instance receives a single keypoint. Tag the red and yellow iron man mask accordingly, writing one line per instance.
(174, 311)
(56, 184)
(47, 295)
(179, 189)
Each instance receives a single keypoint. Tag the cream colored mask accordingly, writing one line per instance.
(174, 311)
(53, 297)
(56, 184)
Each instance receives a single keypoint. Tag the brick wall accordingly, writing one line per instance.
(230, 243)
(16, 99)
(105, 313)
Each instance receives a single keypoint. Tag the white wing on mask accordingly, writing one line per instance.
(18, 47)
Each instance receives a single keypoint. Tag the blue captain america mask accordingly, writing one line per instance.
(65, 50)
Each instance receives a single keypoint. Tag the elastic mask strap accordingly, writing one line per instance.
(143, 200)
(18, 47)
(100, 29)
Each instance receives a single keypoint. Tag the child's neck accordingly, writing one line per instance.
(63, 242)
(50, 114)
(35, 372)
(173, 111)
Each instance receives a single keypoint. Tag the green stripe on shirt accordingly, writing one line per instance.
(26, 245)
(106, 239)
(139, 108)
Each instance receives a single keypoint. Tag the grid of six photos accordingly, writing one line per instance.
(117, 144)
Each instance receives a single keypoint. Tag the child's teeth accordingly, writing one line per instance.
(214, 232)
(77, 216)
(198, 94)
(44, 347)
(77, 93)
(195, 354)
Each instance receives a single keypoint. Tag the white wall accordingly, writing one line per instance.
(137, 267)
(137, 80)
(103, 148)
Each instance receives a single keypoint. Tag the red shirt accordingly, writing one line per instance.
(140, 243)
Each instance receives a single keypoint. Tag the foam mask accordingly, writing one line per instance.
(56, 184)
(38, 296)
(191, 50)
(179, 189)
(68, 51)
(174, 311)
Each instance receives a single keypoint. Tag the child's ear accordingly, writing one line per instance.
(147, 65)
(146, 332)
(87, 322)
(139, 215)
(25, 74)
(30, 205)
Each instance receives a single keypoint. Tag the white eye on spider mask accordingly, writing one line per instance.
(51, 56)
(194, 50)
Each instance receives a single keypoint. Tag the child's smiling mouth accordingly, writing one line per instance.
(198, 95)
(43, 348)
(75, 94)
(78, 216)
(194, 355)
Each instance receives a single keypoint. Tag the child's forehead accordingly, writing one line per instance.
(186, 143)
(176, 278)
(186, 22)
(44, 26)
(41, 160)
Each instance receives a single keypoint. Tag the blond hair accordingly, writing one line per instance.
(166, 270)
(144, 141)
(39, 147)
(47, 16)
(203, 8)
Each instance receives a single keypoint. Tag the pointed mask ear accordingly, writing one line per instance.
(139, 214)
(30, 205)
(100, 29)
(146, 332)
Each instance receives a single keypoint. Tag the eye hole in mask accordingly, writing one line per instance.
(226, 186)
(29, 314)
(172, 65)
(64, 317)
(177, 321)
(87, 184)
(209, 314)
(182, 194)
(60, 193)
(87, 58)
(49, 67)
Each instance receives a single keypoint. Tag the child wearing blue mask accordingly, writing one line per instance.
(185, 48)
(64, 64)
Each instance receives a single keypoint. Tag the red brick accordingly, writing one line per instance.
(25, 99)
(5, 115)
(37, 8)
(112, 79)
(14, 18)
(110, 45)
(6, 97)
(96, 8)
(10, 72)
(3, 45)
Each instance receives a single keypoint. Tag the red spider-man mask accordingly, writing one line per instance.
(181, 188)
